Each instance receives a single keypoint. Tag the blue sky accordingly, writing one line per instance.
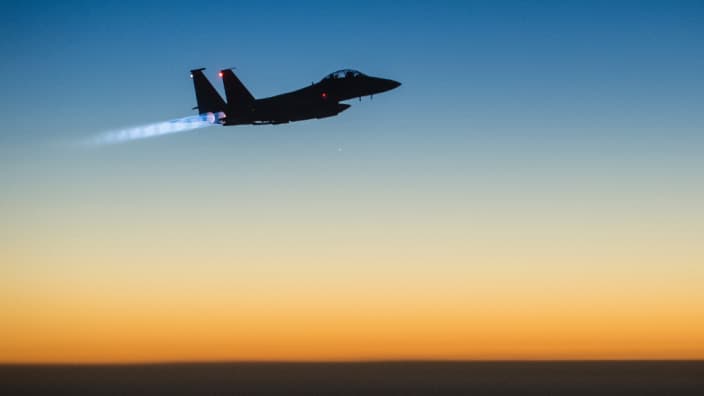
(547, 130)
(600, 88)
(533, 63)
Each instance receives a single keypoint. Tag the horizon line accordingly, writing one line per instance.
(346, 361)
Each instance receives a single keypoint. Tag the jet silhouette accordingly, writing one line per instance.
(319, 100)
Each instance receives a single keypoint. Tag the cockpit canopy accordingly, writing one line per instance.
(344, 73)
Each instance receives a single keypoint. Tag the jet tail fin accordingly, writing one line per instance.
(209, 100)
(238, 96)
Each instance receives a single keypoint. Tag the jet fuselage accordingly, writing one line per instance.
(319, 100)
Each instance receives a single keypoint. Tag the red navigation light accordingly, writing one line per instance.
(324, 95)
(220, 74)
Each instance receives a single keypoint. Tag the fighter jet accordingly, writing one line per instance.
(319, 100)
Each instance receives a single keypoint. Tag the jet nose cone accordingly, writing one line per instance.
(390, 84)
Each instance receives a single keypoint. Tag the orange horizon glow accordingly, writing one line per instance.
(205, 319)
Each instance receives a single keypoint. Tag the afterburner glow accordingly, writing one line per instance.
(157, 129)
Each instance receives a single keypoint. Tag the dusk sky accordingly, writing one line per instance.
(533, 190)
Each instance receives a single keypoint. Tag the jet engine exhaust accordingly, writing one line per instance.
(184, 124)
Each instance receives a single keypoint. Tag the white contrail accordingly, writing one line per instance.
(156, 129)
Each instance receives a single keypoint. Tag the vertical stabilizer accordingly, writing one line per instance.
(209, 100)
(238, 96)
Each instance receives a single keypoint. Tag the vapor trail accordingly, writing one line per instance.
(156, 129)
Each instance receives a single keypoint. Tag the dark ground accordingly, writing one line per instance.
(378, 378)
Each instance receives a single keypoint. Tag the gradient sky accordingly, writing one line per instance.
(533, 190)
